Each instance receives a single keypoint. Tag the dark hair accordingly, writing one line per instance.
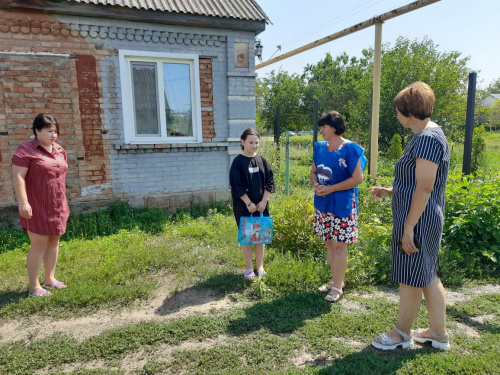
(417, 100)
(333, 119)
(246, 133)
(44, 120)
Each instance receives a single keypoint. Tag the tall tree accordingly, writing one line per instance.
(345, 84)
(409, 61)
(336, 83)
(279, 88)
(494, 87)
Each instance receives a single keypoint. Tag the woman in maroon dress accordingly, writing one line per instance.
(39, 169)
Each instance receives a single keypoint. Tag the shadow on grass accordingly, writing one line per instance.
(7, 298)
(464, 318)
(282, 315)
(203, 296)
(372, 361)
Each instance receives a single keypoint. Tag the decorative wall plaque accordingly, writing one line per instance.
(241, 55)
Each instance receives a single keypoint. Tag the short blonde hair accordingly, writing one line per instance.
(416, 99)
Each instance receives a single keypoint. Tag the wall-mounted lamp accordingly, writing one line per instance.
(258, 49)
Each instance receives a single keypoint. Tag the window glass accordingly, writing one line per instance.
(178, 106)
(161, 97)
(145, 99)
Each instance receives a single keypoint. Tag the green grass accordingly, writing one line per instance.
(265, 338)
(491, 155)
(117, 258)
(283, 318)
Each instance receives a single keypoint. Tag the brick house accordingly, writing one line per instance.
(151, 98)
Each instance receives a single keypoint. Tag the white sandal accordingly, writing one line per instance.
(387, 343)
(438, 341)
(331, 298)
(326, 289)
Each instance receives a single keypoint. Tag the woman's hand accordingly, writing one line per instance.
(322, 190)
(25, 210)
(252, 208)
(407, 243)
(380, 192)
(261, 206)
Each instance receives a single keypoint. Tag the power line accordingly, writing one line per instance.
(349, 14)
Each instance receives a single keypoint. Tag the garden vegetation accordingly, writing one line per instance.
(116, 258)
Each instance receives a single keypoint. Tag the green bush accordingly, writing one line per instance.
(478, 150)
(293, 230)
(303, 141)
(11, 238)
(395, 150)
(369, 259)
(471, 230)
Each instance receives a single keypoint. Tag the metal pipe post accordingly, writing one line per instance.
(469, 123)
(315, 128)
(287, 163)
(277, 127)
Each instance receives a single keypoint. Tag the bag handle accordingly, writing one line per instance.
(261, 215)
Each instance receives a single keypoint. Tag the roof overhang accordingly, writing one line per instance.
(138, 15)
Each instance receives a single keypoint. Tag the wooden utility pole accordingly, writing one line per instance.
(377, 67)
(377, 21)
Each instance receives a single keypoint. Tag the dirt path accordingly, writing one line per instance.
(164, 306)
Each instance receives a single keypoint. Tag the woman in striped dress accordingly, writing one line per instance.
(418, 197)
(39, 169)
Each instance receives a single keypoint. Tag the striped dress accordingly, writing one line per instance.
(419, 269)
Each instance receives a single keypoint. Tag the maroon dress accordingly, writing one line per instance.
(45, 187)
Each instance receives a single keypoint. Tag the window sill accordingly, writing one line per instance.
(173, 147)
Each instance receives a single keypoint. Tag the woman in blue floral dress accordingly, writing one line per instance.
(336, 172)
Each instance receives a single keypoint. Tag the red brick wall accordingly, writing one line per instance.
(58, 71)
(65, 86)
(206, 89)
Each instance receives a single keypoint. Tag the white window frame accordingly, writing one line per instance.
(126, 57)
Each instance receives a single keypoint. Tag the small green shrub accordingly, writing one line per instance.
(306, 159)
(302, 141)
(370, 258)
(293, 230)
(471, 230)
(478, 150)
(395, 150)
(11, 238)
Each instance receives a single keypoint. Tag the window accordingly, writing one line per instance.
(161, 97)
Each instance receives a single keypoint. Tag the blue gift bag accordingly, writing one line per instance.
(255, 230)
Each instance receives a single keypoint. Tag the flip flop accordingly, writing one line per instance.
(261, 273)
(56, 285)
(41, 293)
(250, 275)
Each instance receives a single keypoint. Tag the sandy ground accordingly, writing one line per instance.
(188, 302)
(164, 306)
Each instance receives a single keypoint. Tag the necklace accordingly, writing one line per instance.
(334, 149)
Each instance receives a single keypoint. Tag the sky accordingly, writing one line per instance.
(466, 26)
